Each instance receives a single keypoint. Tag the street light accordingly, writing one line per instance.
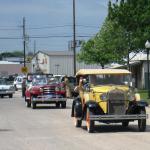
(147, 46)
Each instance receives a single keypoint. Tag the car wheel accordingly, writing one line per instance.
(10, 95)
(57, 104)
(33, 105)
(2, 96)
(63, 105)
(89, 123)
(28, 104)
(142, 122)
(125, 123)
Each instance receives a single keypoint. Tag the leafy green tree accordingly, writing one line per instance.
(134, 17)
(105, 47)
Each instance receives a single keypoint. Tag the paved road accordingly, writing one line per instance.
(47, 128)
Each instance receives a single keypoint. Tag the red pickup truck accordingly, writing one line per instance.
(41, 91)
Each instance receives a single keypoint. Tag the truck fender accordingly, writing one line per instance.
(76, 107)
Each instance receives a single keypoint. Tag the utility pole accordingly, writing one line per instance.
(24, 42)
(74, 38)
(34, 46)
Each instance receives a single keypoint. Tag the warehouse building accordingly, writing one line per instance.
(57, 62)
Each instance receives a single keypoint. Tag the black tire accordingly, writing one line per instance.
(10, 95)
(89, 123)
(57, 105)
(63, 105)
(77, 122)
(28, 104)
(142, 122)
(125, 124)
(33, 105)
(2, 96)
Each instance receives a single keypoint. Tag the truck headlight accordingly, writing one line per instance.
(57, 89)
(41, 90)
(104, 97)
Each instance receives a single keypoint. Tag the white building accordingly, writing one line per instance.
(57, 62)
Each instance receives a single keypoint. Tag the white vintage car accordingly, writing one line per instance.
(6, 88)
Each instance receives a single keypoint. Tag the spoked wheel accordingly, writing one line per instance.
(77, 122)
(89, 123)
(142, 122)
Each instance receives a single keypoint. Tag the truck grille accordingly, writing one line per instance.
(48, 90)
(116, 102)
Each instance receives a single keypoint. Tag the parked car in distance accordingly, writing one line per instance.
(106, 96)
(18, 82)
(6, 88)
(44, 89)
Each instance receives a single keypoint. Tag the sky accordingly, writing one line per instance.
(48, 22)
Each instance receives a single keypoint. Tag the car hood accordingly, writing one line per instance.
(105, 89)
(6, 87)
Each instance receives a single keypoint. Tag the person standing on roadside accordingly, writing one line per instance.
(67, 87)
(23, 87)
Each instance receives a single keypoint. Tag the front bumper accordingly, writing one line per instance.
(118, 117)
(6, 92)
(48, 99)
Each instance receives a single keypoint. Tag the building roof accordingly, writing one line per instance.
(102, 71)
(7, 62)
(58, 53)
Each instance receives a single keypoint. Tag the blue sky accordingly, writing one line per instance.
(54, 14)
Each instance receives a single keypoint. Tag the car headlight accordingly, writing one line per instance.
(104, 96)
(57, 89)
(41, 90)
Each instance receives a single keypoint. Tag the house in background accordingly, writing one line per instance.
(138, 67)
(9, 68)
(56, 62)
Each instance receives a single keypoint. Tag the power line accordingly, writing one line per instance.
(48, 27)
(49, 36)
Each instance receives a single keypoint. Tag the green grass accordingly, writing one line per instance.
(144, 95)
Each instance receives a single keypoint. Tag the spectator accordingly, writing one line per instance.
(23, 87)
(67, 87)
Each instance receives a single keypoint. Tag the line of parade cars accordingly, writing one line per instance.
(104, 95)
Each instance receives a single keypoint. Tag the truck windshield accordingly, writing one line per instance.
(115, 79)
(39, 81)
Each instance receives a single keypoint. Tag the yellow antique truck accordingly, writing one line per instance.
(107, 96)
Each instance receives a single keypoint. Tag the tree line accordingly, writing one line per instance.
(125, 30)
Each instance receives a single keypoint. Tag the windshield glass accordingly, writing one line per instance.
(39, 81)
(5, 82)
(115, 79)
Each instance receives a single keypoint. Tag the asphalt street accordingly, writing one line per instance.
(48, 128)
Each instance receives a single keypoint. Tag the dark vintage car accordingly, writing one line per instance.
(43, 89)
